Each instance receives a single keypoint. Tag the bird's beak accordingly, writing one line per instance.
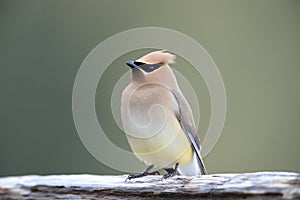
(131, 64)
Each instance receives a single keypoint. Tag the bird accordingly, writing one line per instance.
(158, 120)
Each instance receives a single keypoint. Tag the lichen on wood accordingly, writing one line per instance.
(259, 185)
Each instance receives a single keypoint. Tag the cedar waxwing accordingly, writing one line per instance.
(158, 120)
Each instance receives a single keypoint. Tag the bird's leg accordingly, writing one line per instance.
(144, 173)
(170, 172)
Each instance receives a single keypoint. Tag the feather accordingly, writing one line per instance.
(158, 57)
(185, 118)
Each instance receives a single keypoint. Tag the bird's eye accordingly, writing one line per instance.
(150, 67)
(138, 63)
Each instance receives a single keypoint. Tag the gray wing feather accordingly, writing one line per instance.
(185, 117)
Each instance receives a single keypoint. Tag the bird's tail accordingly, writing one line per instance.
(194, 168)
(201, 166)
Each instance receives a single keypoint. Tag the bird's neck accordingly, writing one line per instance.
(164, 77)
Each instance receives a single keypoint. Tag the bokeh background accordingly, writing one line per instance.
(255, 44)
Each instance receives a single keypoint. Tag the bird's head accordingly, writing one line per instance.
(152, 62)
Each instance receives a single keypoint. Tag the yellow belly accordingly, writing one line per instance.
(169, 146)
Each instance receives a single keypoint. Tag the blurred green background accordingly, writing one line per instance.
(255, 44)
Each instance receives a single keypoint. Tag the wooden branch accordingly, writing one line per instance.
(260, 185)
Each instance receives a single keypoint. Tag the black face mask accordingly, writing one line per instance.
(148, 67)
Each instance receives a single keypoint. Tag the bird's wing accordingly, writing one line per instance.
(186, 120)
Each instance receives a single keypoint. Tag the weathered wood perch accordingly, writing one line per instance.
(261, 185)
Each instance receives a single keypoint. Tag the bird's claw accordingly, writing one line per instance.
(133, 176)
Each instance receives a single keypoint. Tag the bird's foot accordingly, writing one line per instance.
(170, 172)
(133, 176)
